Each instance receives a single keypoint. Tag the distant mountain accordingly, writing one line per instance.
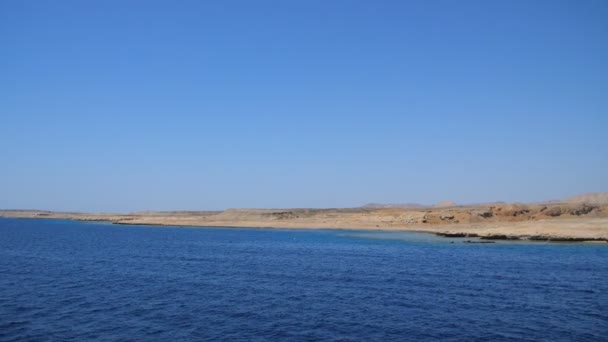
(393, 205)
(445, 204)
(589, 198)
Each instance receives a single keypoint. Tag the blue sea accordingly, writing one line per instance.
(76, 281)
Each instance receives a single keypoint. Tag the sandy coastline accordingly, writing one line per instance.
(539, 222)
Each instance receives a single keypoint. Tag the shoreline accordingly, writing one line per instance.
(592, 227)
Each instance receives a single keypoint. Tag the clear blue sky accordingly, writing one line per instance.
(133, 105)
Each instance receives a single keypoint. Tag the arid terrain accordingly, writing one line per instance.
(581, 218)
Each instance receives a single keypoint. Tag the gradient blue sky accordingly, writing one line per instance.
(132, 105)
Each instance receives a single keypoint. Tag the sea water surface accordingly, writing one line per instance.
(75, 281)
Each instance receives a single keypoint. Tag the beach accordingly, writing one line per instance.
(539, 222)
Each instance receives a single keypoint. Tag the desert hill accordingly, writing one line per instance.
(589, 198)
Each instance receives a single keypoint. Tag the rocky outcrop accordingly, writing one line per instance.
(482, 213)
(552, 212)
(512, 210)
(573, 209)
(581, 209)
(283, 215)
(445, 217)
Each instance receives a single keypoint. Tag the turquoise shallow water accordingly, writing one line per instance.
(65, 280)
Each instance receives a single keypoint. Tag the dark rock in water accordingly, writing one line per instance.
(456, 235)
(499, 237)
(471, 241)
(566, 239)
(452, 235)
(538, 238)
(494, 237)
